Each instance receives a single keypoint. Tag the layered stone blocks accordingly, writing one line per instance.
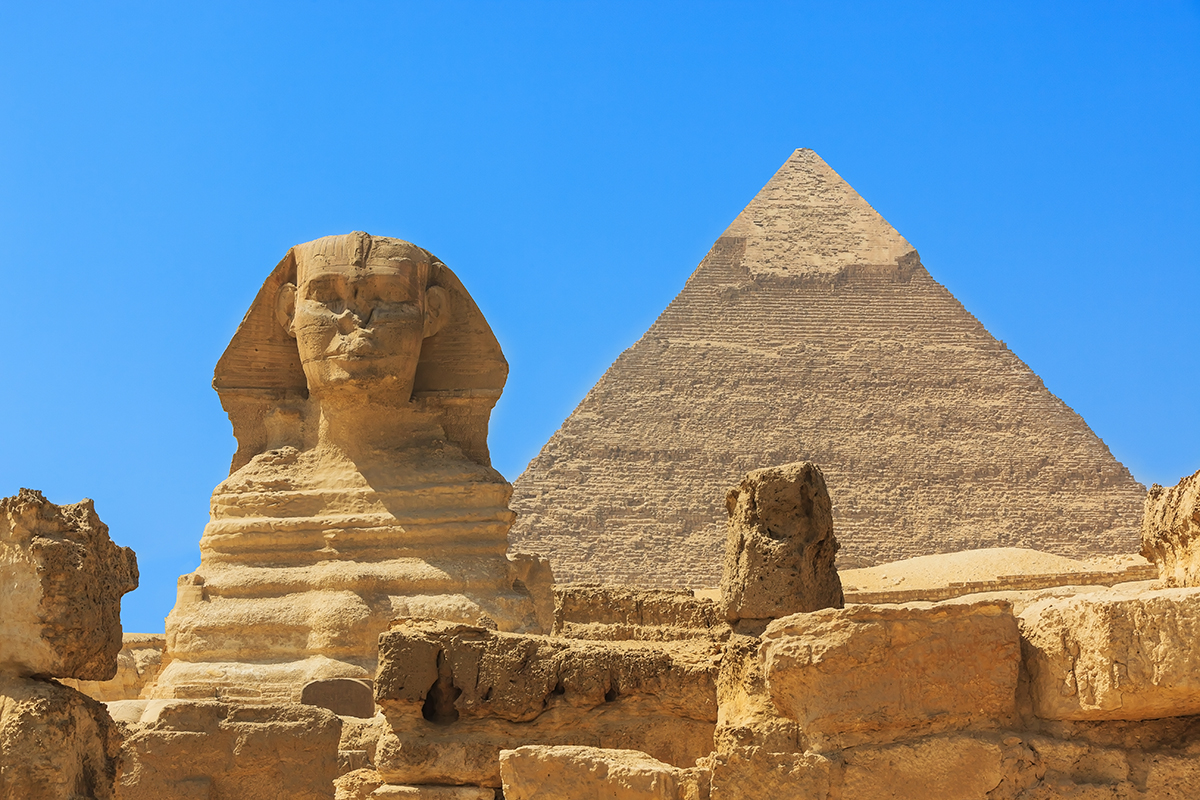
(455, 696)
(197, 750)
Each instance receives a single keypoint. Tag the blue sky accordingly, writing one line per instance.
(572, 162)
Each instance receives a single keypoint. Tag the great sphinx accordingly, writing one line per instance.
(359, 385)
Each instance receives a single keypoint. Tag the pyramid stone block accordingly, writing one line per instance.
(812, 332)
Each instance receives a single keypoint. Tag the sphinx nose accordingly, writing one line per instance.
(347, 321)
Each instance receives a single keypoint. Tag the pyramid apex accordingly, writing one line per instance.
(808, 221)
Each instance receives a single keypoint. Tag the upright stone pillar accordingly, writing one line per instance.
(779, 554)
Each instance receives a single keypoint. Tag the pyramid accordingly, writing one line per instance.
(811, 331)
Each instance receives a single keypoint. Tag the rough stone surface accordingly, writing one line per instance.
(357, 784)
(62, 578)
(61, 582)
(875, 673)
(359, 386)
(55, 743)
(1171, 531)
(539, 772)
(811, 332)
(184, 749)
(435, 792)
(456, 695)
(780, 548)
(138, 665)
(1114, 654)
(477, 673)
(618, 613)
(343, 696)
(951, 767)
(753, 773)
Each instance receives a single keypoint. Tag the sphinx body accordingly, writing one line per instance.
(359, 388)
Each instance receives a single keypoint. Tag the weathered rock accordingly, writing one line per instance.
(953, 767)
(620, 613)
(448, 671)
(869, 674)
(343, 696)
(357, 784)
(1171, 531)
(434, 792)
(456, 695)
(63, 579)
(208, 749)
(55, 743)
(359, 386)
(138, 665)
(538, 772)
(416, 751)
(779, 554)
(1114, 654)
(751, 773)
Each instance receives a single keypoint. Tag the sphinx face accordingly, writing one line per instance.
(360, 326)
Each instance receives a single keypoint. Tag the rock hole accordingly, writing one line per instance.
(559, 688)
(439, 700)
(611, 694)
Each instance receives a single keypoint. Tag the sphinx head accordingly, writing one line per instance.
(366, 317)
(360, 310)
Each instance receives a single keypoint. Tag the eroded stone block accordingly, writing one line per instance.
(1114, 655)
(755, 773)
(434, 792)
(951, 767)
(63, 579)
(55, 743)
(342, 696)
(180, 748)
(876, 673)
(537, 772)
(615, 613)
(1171, 531)
(449, 671)
(414, 751)
(780, 548)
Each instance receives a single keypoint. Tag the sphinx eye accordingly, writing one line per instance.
(322, 291)
(388, 289)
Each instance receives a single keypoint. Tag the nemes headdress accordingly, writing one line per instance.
(460, 375)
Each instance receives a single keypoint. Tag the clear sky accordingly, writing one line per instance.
(572, 163)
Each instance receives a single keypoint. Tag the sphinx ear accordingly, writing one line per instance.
(437, 309)
(285, 307)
